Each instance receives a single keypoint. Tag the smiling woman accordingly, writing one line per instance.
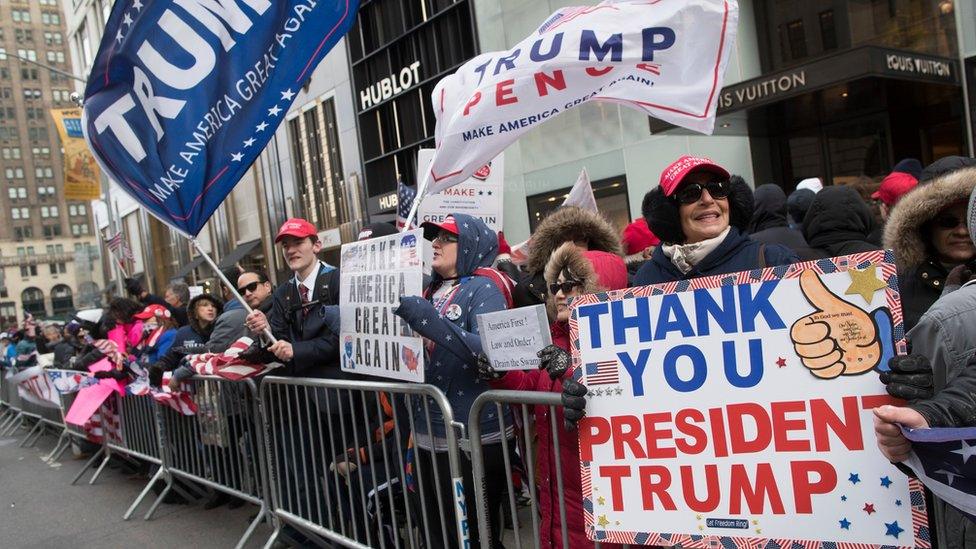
(700, 212)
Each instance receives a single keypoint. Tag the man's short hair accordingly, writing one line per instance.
(180, 290)
(260, 273)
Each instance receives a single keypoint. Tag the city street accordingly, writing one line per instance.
(41, 509)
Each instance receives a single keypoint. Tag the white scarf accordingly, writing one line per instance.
(686, 256)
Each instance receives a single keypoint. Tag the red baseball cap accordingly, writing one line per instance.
(431, 229)
(153, 310)
(893, 187)
(672, 176)
(297, 227)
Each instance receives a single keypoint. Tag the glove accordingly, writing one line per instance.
(555, 360)
(155, 376)
(486, 371)
(414, 309)
(574, 403)
(111, 374)
(910, 377)
(959, 275)
(257, 354)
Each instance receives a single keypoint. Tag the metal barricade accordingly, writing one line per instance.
(15, 418)
(547, 498)
(46, 417)
(339, 464)
(222, 445)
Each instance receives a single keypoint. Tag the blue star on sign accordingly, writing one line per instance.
(886, 482)
(843, 498)
(898, 502)
(893, 529)
(854, 478)
(845, 524)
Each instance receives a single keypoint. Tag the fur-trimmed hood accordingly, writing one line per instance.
(599, 271)
(903, 232)
(569, 223)
(661, 212)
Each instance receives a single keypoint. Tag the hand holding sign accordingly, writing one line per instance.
(838, 338)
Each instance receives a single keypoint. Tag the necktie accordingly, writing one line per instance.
(303, 290)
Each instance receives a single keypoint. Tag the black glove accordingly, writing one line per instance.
(258, 354)
(111, 374)
(959, 275)
(555, 360)
(574, 402)
(910, 377)
(486, 371)
(155, 375)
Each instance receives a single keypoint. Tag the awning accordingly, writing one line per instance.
(188, 268)
(238, 254)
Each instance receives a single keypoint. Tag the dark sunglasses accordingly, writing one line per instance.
(250, 287)
(691, 193)
(566, 286)
(949, 222)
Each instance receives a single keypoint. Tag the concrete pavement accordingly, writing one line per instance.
(39, 509)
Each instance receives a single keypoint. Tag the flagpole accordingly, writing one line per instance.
(233, 287)
(421, 189)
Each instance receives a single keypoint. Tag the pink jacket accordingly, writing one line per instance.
(126, 336)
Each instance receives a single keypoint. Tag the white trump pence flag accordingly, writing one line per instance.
(664, 58)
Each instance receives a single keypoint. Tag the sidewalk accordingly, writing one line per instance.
(40, 509)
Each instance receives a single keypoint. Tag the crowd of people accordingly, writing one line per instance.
(700, 220)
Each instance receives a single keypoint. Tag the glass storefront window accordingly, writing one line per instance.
(611, 200)
(796, 31)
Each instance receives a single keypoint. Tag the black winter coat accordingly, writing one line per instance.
(839, 223)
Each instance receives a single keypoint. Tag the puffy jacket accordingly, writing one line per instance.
(839, 222)
(736, 253)
(769, 224)
(599, 271)
(451, 358)
(921, 277)
(228, 327)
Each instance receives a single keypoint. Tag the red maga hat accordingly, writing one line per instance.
(152, 311)
(672, 176)
(297, 227)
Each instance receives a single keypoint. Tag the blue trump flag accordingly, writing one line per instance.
(184, 94)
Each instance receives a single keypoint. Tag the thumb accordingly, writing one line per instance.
(817, 293)
(902, 416)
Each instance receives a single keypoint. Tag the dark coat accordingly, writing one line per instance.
(313, 330)
(839, 222)
(921, 277)
(736, 253)
(769, 223)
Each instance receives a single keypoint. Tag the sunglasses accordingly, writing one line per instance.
(446, 238)
(250, 287)
(950, 222)
(691, 193)
(566, 286)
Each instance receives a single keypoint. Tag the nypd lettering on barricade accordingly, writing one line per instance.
(184, 94)
(665, 59)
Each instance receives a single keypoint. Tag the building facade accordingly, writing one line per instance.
(49, 254)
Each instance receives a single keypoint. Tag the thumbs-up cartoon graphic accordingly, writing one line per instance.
(839, 338)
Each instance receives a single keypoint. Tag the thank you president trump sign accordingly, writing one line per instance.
(736, 409)
(184, 94)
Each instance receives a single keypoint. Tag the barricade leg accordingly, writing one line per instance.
(38, 429)
(145, 492)
(88, 464)
(63, 439)
(98, 472)
(15, 422)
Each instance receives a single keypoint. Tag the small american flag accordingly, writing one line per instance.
(602, 373)
(945, 461)
(180, 401)
(405, 197)
(119, 247)
(228, 364)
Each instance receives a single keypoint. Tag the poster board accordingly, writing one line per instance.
(375, 273)
(482, 195)
(511, 338)
(735, 410)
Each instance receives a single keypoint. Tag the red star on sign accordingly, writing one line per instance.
(868, 508)
(781, 362)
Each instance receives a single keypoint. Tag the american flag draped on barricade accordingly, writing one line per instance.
(944, 459)
(227, 365)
